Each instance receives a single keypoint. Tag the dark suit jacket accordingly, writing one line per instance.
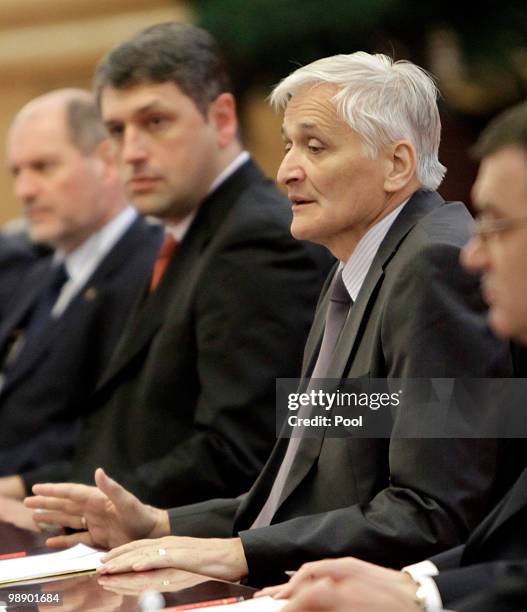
(16, 257)
(495, 555)
(186, 409)
(41, 402)
(417, 315)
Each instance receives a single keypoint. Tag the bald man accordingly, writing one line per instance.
(67, 314)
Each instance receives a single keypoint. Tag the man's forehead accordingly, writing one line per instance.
(137, 97)
(36, 134)
(500, 175)
(313, 107)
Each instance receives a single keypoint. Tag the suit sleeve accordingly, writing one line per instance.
(438, 490)
(255, 293)
(499, 582)
(209, 519)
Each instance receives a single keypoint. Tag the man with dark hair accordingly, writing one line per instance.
(185, 409)
(168, 53)
(64, 318)
(489, 572)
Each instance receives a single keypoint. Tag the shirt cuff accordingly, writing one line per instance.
(423, 569)
(422, 574)
(432, 598)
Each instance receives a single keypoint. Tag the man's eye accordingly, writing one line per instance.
(115, 131)
(314, 147)
(43, 166)
(156, 121)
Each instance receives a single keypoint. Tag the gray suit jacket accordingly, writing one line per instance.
(391, 501)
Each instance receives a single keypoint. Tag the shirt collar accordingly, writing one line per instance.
(229, 170)
(87, 256)
(354, 270)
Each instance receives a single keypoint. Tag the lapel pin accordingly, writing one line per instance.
(90, 294)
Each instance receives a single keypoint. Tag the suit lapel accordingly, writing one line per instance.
(418, 206)
(151, 311)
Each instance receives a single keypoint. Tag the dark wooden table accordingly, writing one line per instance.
(120, 592)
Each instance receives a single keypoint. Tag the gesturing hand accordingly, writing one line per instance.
(110, 513)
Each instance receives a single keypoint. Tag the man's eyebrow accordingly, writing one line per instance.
(304, 126)
(142, 110)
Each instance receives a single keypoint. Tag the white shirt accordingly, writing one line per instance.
(355, 269)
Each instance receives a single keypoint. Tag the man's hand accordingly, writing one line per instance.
(113, 515)
(336, 570)
(218, 558)
(364, 594)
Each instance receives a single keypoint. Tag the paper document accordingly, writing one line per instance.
(80, 558)
(260, 604)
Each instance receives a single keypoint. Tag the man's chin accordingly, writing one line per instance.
(43, 236)
(303, 231)
(503, 326)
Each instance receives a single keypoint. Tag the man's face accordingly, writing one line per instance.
(500, 193)
(58, 185)
(336, 192)
(166, 148)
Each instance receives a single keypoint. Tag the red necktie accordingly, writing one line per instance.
(163, 257)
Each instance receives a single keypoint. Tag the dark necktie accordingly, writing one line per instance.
(38, 319)
(168, 247)
(337, 313)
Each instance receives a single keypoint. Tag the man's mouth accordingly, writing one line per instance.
(299, 201)
(142, 183)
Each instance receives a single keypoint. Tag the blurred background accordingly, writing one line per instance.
(477, 51)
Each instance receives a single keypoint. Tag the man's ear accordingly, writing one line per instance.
(400, 166)
(222, 113)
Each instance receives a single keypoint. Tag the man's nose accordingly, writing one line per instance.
(474, 257)
(134, 149)
(26, 187)
(290, 170)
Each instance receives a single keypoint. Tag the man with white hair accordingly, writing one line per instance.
(360, 168)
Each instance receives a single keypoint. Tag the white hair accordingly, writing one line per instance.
(382, 101)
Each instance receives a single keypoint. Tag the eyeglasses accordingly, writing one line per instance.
(487, 226)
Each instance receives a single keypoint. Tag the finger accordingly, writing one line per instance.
(65, 541)
(137, 562)
(74, 492)
(314, 598)
(53, 503)
(269, 591)
(112, 489)
(131, 547)
(59, 518)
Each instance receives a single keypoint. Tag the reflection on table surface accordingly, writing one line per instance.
(118, 592)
